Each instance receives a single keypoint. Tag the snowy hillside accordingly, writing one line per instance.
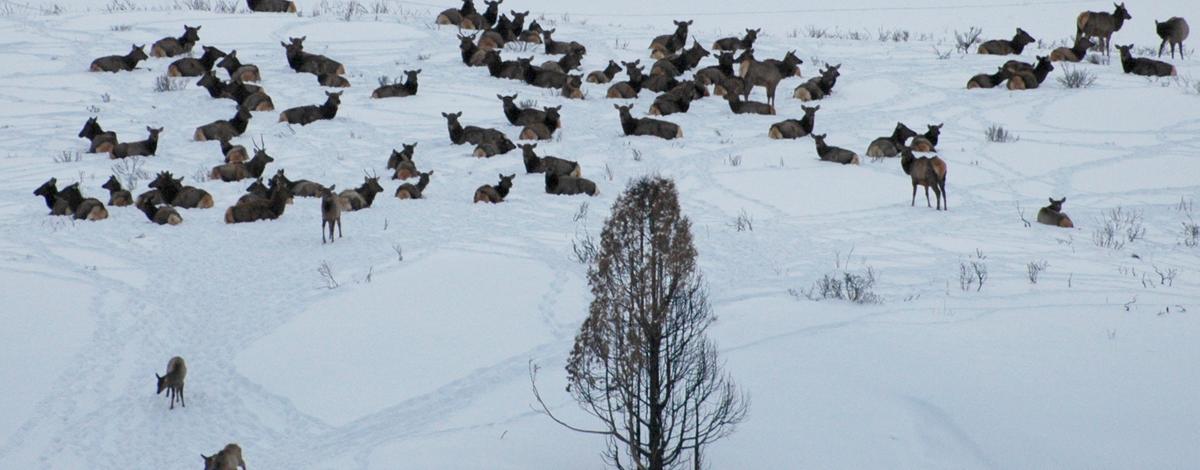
(417, 353)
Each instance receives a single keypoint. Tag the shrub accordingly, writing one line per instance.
(998, 134)
(1074, 77)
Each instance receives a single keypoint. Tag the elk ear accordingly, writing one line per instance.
(817, 108)
(418, 71)
(1051, 200)
(447, 116)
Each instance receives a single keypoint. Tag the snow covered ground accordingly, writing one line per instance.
(423, 362)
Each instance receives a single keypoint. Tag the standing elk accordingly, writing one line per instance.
(929, 172)
(1101, 25)
(172, 382)
(331, 214)
(1173, 31)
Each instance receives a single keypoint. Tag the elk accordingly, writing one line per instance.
(568, 185)
(454, 16)
(229, 458)
(250, 97)
(475, 135)
(333, 80)
(315, 64)
(567, 63)
(397, 158)
(748, 107)
(985, 80)
(224, 129)
(1025, 79)
(678, 99)
(762, 74)
(547, 164)
(397, 89)
(495, 194)
(360, 198)
(532, 34)
(544, 78)
(928, 141)
(829, 153)
(239, 72)
(929, 172)
(139, 148)
(49, 192)
(69, 201)
(606, 75)
(1173, 31)
(795, 129)
(493, 39)
(1008, 47)
(117, 196)
(667, 44)
(172, 191)
(1053, 215)
(410, 191)
(271, 6)
(191, 67)
(647, 126)
(101, 141)
(472, 55)
(305, 115)
(161, 215)
(259, 209)
(511, 69)
(256, 190)
(1072, 54)
(675, 65)
(239, 171)
(233, 153)
(1101, 25)
(298, 188)
(492, 13)
(573, 88)
(818, 87)
(171, 47)
(172, 382)
(629, 88)
(890, 146)
(733, 44)
(560, 47)
(545, 129)
(1143, 66)
(120, 63)
(714, 74)
(331, 214)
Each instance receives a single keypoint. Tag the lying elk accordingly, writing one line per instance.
(678, 99)
(545, 78)
(647, 126)
(172, 191)
(256, 190)
(547, 164)
(315, 64)
(675, 65)
(510, 69)
(1173, 31)
(229, 458)
(733, 44)
(928, 141)
(101, 141)
(748, 107)
(120, 63)
(828, 153)
(224, 129)
(985, 80)
(172, 382)
(477, 136)
(565, 64)
(1072, 54)
(49, 192)
(1006, 46)
(233, 153)
(795, 129)
(660, 83)
(402, 156)
(567, 185)
(117, 196)
(1101, 25)
(818, 87)
(192, 67)
(331, 214)
(472, 55)
(714, 74)
(631, 87)
(171, 47)
(1053, 215)
(298, 188)
(573, 88)
(1023, 78)
(305, 115)
(238, 71)
(161, 215)
(239, 171)
(69, 201)
(271, 6)
(519, 116)
(606, 75)
(411, 191)
(140, 148)
(250, 97)
(890, 146)
(561, 47)
(259, 209)
(532, 34)
(929, 172)
(1143, 66)
(667, 44)
(543, 130)
(454, 16)
(333, 80)
(361, 197)
(397, 89)
(495, 194)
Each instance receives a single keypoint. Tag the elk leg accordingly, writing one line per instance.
(182, 402)
(945, 197)
(914, 197)
(937, 193)
(339, 224)
(927, 204)
(1164, 44)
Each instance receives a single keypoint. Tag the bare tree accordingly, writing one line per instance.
(642, 363)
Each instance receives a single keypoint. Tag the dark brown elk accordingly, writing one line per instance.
(411, 191)
(675, 65)
(1006, 46)
(79, 207)
(224, 129)
(510, 69)
(1053, 215)
(396, 89)
(49, 192)
(733, 44)
(818, 88)
(229, 458)
(767, 74)
(139, 148)
(192, 67)
(1101, 25)
(333, 80)
(362, 197)
(117, 196)
(678, 99)
(101, 141)
(532, 34)
(795, 129)
(544, 78)
(475, 135)
(496, 193)
(271, 6)
(1173, 31)
(560, 47)
(1144, 66)
(573, 88)
(171, 47)
(929, 172)
(631, 87)
(472, 55)
(397, 158)
(647, 126)
(519, 116)
(829, 153)
(331, 214)
(120, 63)
(298, 188)
(1072, 54)
(259, 209)
(890, 146)
(160, 214)
(238, 71)
(172, 382)
(565, 64)
(256, 190)
(233, 153)
(455, 16)
(404, 167)
(305, 115)
(714, 74)
(567, 185)
(928, 141)
(986, 80)
(667, 44)
(172, 191)
(250, 97)
(315, 64)
(547, 164)
(748, 107)
(606, 75)
(1025, 79)
(239, 171)
(492, 39)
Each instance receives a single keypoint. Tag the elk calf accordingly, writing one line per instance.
(140, 148)
(928, 141)
(890, 146)
(101, 141)
(647, 126)
(305, 115)
(1143, 66)
(331, 214)
(410, 191)
(1006, 47)
(224, 129)
(495, 194)
(828, 153)
(229, 458)
(171, 47)
(397, 89)
(117, 196)
(172, 382)
(795, 129)
(119, 63)
(1053, 215)
(1173, 31)
(929, 172)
